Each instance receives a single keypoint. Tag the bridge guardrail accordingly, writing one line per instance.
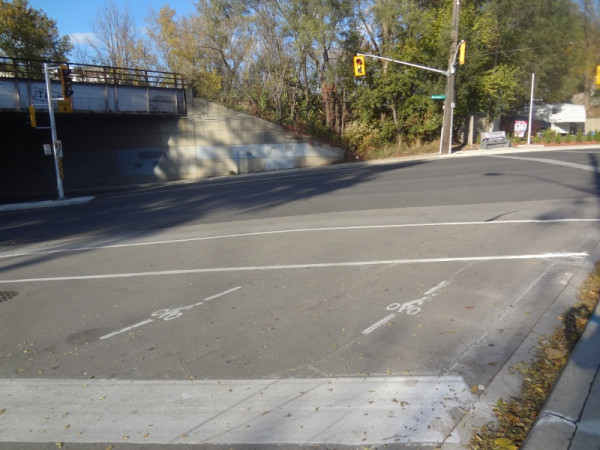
(89, 73)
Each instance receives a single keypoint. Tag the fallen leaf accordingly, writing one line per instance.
(521, 367)
(503, 442)
(552, 353)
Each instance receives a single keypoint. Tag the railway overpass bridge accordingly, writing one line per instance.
(131, 126)
(96, 89)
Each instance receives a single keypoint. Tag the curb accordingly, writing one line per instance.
(570, 417)
(45, 203)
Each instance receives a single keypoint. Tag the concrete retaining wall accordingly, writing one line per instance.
(111, 150)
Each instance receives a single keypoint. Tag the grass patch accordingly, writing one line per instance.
(517, 415)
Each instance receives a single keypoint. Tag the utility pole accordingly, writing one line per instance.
(449, 104)
(530, 124)
(56, 145)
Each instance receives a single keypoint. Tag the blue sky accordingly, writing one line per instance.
(76, 16)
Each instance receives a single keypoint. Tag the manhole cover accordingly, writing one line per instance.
(7, 295)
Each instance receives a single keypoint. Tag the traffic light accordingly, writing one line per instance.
(31, 117)
(598, 76)
(461, 53)
(359, 66)
(65, 80)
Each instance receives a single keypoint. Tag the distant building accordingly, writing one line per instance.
(563, 118)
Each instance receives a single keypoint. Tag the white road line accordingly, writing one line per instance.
(563, 255)
(220, 294)
(322, 412)
(299, 230)
(553, 162)
(126, 329)
(383, 321)
(436, 288)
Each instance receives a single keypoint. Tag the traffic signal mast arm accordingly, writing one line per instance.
(418, 66)
(443, 72)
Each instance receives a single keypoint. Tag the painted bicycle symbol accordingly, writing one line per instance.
(170, 314)
(410, 308)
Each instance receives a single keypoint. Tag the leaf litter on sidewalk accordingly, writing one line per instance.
(516, 416)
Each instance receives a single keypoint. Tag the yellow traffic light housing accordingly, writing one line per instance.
(597, 76)
(32, 120)
(359, 66)
(65, 81)
(461, 53)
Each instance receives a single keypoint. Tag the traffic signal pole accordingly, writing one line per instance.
(57, 151)
(449, 103)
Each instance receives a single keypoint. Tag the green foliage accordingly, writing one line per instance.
(28, 33)
(290, 61)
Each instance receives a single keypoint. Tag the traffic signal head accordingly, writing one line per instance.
(359, 66)
(65, 80)
(31, 117)
(598, 76)
(461, 53)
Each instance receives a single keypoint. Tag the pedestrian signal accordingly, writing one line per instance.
(359, 66)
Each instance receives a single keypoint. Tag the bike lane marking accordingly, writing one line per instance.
(411, 308)
(170, 314)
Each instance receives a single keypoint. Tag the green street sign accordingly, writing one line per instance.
(438, 97)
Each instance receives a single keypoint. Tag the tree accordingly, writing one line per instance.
(590, 21)
(538, 36)
(28, 33)
(290, 61)
(116, 41)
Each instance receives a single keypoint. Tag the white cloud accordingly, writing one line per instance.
(83, 38)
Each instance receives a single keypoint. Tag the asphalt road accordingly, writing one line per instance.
(354, 305)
